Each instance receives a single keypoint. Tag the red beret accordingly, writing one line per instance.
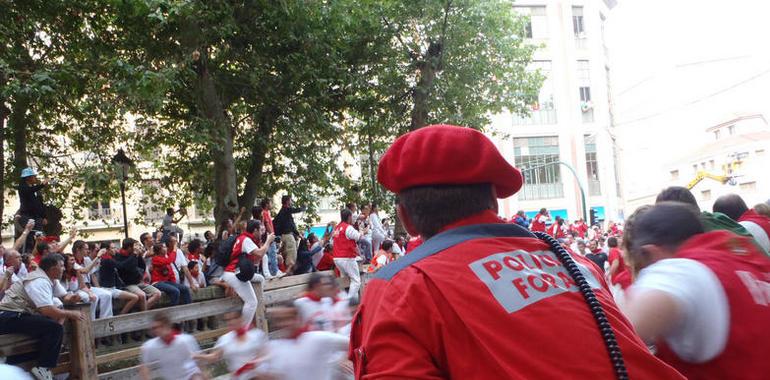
(446, 155)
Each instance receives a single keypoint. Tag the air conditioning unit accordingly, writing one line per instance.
(586, 106)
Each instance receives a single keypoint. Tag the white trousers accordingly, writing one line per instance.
(104, 298)
(246, 291)
(349, 268)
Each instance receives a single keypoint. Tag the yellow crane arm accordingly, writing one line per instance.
(701, 175)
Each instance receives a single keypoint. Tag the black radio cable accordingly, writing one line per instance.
(613, 349)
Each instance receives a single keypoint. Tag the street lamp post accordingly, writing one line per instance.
(122, 165)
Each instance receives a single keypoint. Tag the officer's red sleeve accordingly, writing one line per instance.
(391, 339)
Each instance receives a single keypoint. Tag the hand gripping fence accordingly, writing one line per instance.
(616, 357)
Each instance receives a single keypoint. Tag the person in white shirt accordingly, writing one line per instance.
(378, 231)
(182, 273)
(169, 354)
(298, 354)
(316, 306)
(9, 270)
(31, 307)
(344, 250)
(197, 274)
(87, 267)
(243, 348)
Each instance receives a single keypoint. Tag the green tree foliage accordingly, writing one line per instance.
(229, 101)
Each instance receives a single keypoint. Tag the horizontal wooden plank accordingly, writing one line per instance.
(130, 373)
(141, 321)
(285, 282)
(134, 352)
(285, 294)
(14, 344)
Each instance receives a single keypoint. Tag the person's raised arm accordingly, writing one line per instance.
(214, 356)
(19, 243)
(259, 252)
(240, 217)
(72, 235)
(653, 313)
(295, 210)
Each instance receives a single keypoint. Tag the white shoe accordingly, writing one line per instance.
(280, 274)
(42, 373)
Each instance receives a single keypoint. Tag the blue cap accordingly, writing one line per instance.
(28, 172)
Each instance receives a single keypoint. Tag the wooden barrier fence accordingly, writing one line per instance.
(81, 359)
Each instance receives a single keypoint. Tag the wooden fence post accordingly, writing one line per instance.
(261, 318)
(82, 353)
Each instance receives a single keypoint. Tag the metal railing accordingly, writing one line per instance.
(539, 117)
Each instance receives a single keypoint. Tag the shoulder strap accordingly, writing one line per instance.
(449, 239)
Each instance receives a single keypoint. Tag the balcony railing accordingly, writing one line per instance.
(541, 191)
(539, 117)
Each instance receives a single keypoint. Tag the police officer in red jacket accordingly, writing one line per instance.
(480, 298)
(703, 298)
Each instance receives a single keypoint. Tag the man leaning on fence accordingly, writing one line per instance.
(31, 307)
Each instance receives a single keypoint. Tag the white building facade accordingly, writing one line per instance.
(569, 129)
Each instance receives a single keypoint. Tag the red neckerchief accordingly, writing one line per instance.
(597, 250)
(316, 298)
(194, 257)
(172, 254)
(298, 332)
(195, 272)
(242, 331)
(81, 261)
(244, 368)
(168, 339)
(106, 256)
(123, 252)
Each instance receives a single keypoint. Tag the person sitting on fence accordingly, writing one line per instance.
(30, 307)
(86, 267)
(383, 257)
(245, 245)
(243, 348)
(164, 278)
(109, 280)
(131, 268)
(298, 353)
(179, 263)
(197, 274)
(11, 270)
(170, 353)
(73, 283)
(305, 254)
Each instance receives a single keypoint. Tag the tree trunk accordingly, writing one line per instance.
(19, 123)
(428, 68)
(3, 114)
(265, 121)
(210, 104)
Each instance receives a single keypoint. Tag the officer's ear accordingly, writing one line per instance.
(408, 225)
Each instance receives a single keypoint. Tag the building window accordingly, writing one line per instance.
(716, 134)
(674, 175)
(538, 159)
(731, 130)
(711, 164)
(586, 105)
(760, 152)
(537, 25)
(592, 166)
(695, 168)
(705, 195)
(578, 26)
(543, 112)
(100, 210)
(749, 186)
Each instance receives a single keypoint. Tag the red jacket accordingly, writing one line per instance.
(238, 250)
(758, 219)
(622, 275)
(744, 272)
(162, 270)
(486, 309)
(538, 223)
(343, 248)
